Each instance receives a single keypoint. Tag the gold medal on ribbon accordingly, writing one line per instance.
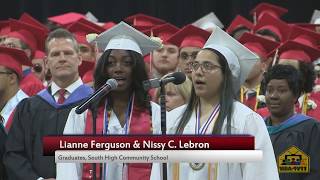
(196, 166)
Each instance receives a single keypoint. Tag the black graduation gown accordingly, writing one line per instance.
(305, 136)
(3, 136)
(34, 118)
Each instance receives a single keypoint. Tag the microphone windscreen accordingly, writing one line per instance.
(113, 83)
(180, 77)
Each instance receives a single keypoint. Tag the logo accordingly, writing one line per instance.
(293, 160)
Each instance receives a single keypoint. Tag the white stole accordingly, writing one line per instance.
(75, 125)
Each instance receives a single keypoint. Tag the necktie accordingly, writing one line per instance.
(61, 98)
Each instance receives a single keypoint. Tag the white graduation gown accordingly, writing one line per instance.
(243, 121)
(76, 125)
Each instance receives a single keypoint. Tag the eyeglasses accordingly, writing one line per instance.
(205, 67)
(5, 72)
(185, 56)
(37, 68)
(12, 45)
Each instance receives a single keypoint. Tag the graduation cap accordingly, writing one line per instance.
(277, 26)
(267, 8)
(304, 36)
(91, 24)
(91, 17)
(80, 30)
(39, 55)
(163, 31)
(208, 21)
(4, 27)
(239, 58)
(142, 22)
(298, 51)
(13, 59)
(31, 35)
(66, 19)
(189, 36)
(315, 16)
(239, 22)
(85, 67)
(308, 26)
(259, 45)
(27, 18)
(123, 36)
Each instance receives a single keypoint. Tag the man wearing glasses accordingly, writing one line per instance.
(11, 61)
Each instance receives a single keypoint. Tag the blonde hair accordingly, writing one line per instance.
(183, 89)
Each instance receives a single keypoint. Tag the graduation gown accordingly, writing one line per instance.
(3, 137)
(34, 118)
(305, 135)
(243, 121)
(114, 170)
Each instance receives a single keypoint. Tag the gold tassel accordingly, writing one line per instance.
(257, 101)
(275, 57)
(175, 171)
(305, 104)
(215, 170)
(241, 94)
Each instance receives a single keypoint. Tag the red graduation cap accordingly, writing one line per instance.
(14, 59)
(267, 8)
(147, 32)
(164, 31)
(66, 19)
(298, 51)
(142, 22)
(304, 36)
(277, 26)
(85, 67)
(262, 46)
(108, 25)
(238, 22)
(189, 36)
(4, 27)
(91, 24)
(311, 27)
(27, 18)
(80, 30)
(29, 34)
(39, 55)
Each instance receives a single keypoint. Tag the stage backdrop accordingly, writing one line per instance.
(178, 12)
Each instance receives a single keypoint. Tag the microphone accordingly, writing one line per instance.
(175, 77)
(110, 85)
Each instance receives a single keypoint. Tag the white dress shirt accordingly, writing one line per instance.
(69, 90)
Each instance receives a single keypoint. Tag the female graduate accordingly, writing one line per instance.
(212, 109)
(127, 109)
(290, 130)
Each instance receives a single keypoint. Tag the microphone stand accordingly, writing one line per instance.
(163, 122)
(94, 111)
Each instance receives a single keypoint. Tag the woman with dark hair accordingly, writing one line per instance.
(126, 109)
(292, 134)
(217, 72)
(301, 56)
